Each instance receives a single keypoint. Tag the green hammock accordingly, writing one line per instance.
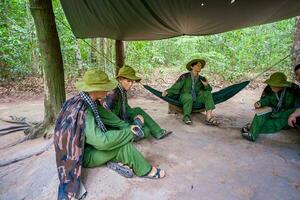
(219, 97)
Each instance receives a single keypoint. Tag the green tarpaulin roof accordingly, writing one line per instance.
(158, 19)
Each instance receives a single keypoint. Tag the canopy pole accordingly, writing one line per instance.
(120, 55)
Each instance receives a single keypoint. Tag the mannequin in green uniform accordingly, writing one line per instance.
(294, 118)
(193, 88)
(111, 145)
(279, 96)
(117, 102)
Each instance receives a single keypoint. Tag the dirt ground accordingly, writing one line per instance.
(201, 162)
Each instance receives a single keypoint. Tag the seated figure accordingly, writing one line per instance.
(82, 139)
(279, 97)
(193, 88)
(117, 102)
(294, 119)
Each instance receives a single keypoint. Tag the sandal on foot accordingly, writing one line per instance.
(123, 170)
(137, 121)
(187, 121)
(164, 134)
(139, 134)
(246, 128)
(212, 122)
(156, 175)
(248, 136)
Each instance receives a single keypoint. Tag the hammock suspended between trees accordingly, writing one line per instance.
(219, 97)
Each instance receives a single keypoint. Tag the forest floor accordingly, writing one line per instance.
(201, 162)
(29, 88)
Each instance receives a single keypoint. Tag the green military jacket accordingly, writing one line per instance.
(110, 139)
(296, 90)
(113, 102)
(184, 85)
(111, 120)
(290, 99)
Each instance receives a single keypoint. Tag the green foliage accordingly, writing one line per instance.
(15, 42)
(234, 55)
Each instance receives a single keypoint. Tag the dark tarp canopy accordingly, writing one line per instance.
(158, 19)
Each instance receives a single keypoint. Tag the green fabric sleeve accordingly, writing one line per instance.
(175, 88)
(202, 86)
(297, 101)
(127, 106)
(129, 111)
(117, 108)
(111, 119)
(264, 101)
(109, 140)
(207, 88)
(283, 114)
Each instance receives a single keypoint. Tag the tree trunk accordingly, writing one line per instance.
(51, 61)
(33, 43)
(120, 55)
(78, 57)
(109, 53)
(93, 51)
(102, 60)
(296, 44)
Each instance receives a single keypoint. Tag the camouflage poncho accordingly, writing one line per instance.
(69, 142)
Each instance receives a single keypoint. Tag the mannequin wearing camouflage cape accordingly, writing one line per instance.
(193, 88)
(82, 139)
(117, 102)
(294, 118)
(280, 97)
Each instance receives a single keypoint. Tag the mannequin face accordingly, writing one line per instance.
(196, 69)
(97, 94)
(276, 89)
(126, 83)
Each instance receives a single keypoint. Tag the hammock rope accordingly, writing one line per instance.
(275, 64)
(95, 49)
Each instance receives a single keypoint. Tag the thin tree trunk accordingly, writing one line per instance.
(51, 61)
(109, 44)
(93, 51)
(32, 38)
(112, 51)
(78, 56)
(120, 55)
(296, 44)
(102, 60)
(107, 53)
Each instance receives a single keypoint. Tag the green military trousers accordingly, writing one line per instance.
(126, 154)
(269, 123)
(204, 97)
(150, 126)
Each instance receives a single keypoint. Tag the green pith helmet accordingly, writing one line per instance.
(95, 80)
(278, 79)
(189, 65)
(129, 73)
